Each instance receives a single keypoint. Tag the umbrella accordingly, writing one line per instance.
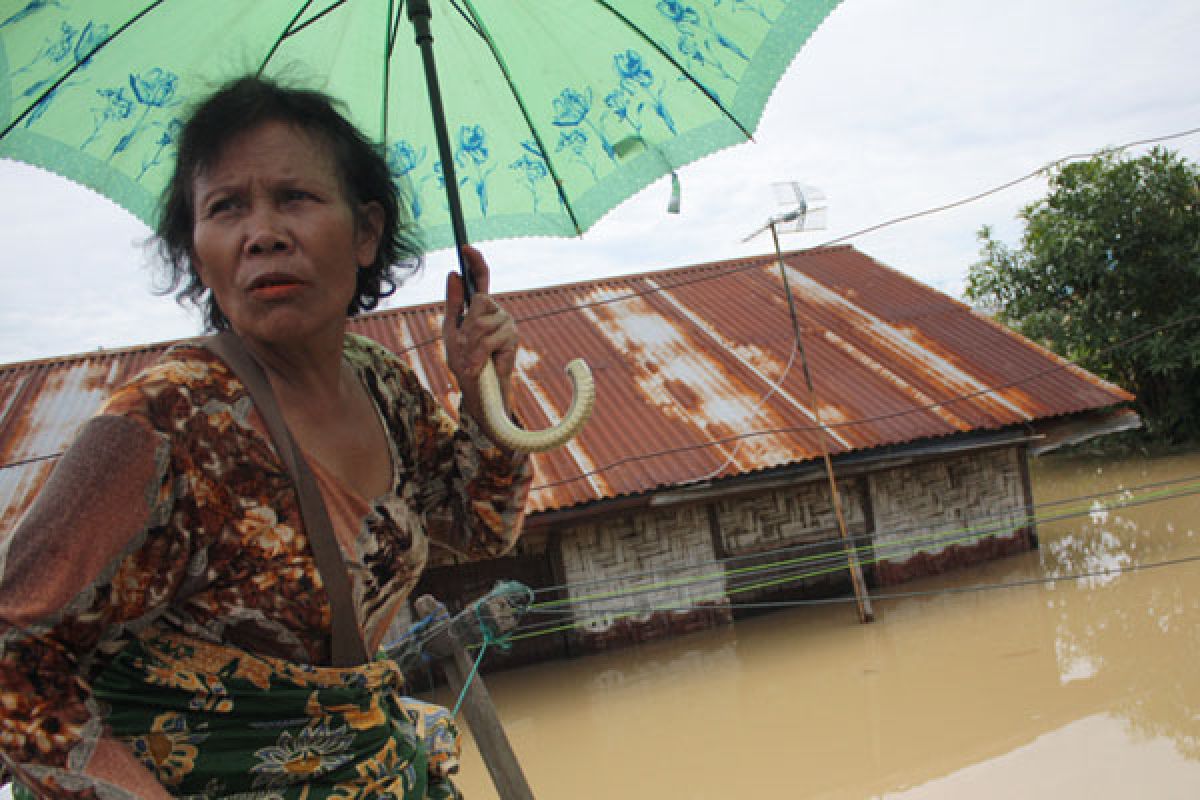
(555, 111)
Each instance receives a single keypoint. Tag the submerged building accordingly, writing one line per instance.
(699, 488)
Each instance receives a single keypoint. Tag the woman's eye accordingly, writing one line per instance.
(294, 195)
(221, 205)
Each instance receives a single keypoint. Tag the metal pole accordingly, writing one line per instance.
(861, 596)
(420, 14)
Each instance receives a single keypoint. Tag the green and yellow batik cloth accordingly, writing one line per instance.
(213, 721)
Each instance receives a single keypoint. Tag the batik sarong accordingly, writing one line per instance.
(218, 722)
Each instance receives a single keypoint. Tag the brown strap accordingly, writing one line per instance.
(348, 647)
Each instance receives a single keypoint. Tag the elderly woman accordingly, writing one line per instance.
(168, 621)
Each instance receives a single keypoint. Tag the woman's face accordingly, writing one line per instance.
(275, 238)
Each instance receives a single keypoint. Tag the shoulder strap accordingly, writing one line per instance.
(348, 647)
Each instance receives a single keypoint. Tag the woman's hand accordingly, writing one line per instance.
(487, 331)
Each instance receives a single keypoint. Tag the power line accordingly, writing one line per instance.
(1171, 486)
(831, 563)
(914, 409)
(717, 275)
(662, 285)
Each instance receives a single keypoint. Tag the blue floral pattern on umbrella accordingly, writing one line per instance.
(73, 44)
(94, 89)
(153, 89)
(532, 166)
(403, 159)
(472, 154)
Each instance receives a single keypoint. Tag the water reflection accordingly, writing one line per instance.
(1133, 645)
(1034, 691)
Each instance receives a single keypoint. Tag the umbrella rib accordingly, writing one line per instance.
(394, 12)
(558, 185)
(77, 66)
(682, 71)
(395, 28)
(290, 31)
(467, 18)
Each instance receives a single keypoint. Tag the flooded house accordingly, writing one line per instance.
(702, 486)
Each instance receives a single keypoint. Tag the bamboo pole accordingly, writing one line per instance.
(861, 596)
(477, 706)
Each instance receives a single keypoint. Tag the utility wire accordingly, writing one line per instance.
(718, 274)
(868, 536)
(611, 615)
(884, 550)
(1046, 579)
(915, 409)
(661, 285)
(779, 604)
(834, 562)
(568, 618)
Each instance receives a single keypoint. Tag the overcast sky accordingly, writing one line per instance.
(893, 107)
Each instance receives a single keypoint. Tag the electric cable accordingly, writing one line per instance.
(661, 285)
(914, 409)
(840, 557)
(868, 536)
(718, 274)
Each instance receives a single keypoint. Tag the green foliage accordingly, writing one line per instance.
(1107, 258)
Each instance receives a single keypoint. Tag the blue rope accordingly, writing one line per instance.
(521, 597)
(487, 639)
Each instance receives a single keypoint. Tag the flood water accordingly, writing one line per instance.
(1077, 688)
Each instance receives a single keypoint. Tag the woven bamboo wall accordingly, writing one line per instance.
(608, 564)
(797, 526)
(954, 498)
(783, 518)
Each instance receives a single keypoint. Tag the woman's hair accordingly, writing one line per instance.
(243, 105)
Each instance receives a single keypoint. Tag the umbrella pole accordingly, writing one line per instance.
(497, 421)
(489, 734)
(420, 14)
(861, 595)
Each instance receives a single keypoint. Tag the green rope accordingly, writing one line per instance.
(519, 597)
(487, 640)
(969, 534)
(868, 551)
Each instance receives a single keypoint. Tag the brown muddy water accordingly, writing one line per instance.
(1076, 688)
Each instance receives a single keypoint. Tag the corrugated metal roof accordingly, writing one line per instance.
(694, 369)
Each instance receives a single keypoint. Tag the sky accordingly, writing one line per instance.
(892, 108)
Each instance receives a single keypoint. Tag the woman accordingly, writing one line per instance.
(166, 627)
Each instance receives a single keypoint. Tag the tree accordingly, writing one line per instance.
(1107, 274)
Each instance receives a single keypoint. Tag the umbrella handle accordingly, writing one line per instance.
(502, 429)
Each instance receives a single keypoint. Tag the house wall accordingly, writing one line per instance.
(609, 565)
(929, 516)
(796, 526)
(658, 572)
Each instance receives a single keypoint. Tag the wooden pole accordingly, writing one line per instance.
(861, 596)
(477, 704)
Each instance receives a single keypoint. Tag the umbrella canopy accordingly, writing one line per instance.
(557, 110)
(550, 112)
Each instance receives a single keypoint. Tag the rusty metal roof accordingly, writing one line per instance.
(695, 374)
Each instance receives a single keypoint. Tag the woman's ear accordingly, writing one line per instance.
(369, 230)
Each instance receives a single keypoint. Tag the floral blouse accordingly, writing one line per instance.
(173, 510)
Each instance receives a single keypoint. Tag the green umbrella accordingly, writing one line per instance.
(555, 110)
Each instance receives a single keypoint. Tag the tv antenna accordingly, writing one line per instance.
(804, 210)
(803, 207)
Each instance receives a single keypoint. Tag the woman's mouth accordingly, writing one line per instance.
(275, 287)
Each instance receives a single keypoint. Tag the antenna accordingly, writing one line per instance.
(804, 209)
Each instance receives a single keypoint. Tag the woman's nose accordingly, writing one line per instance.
(267, 234)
